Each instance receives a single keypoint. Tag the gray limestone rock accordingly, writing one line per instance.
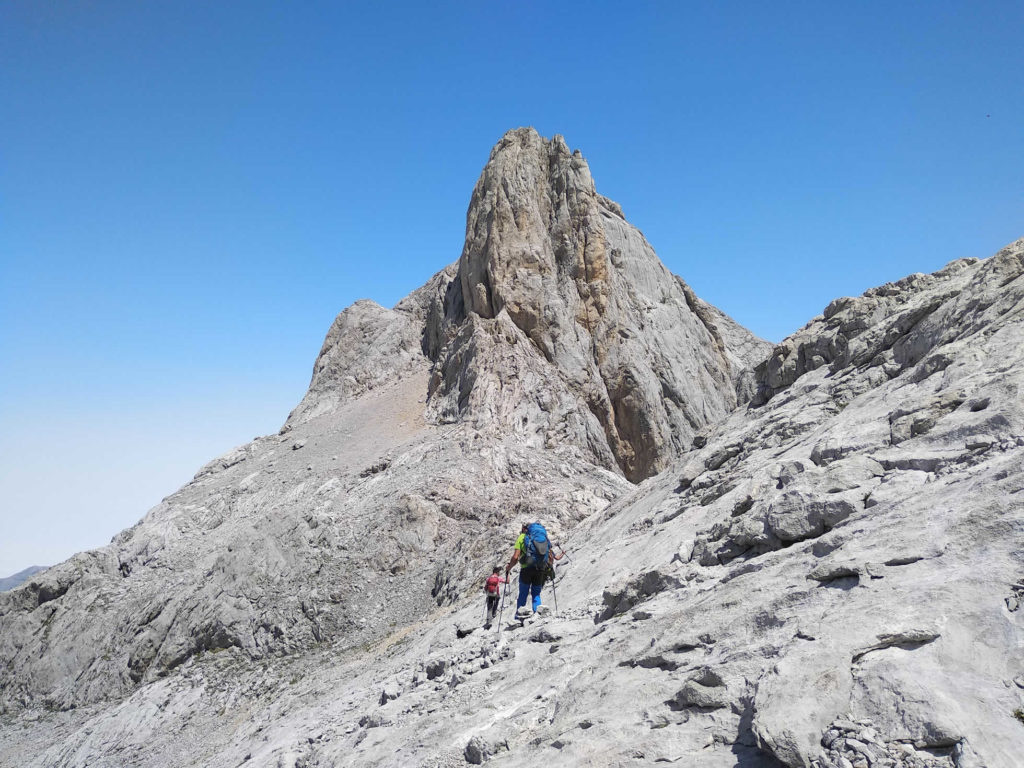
(828, 576)
(640, 364)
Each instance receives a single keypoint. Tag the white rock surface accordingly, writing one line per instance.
(832, 578)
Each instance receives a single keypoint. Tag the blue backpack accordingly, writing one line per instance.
(536, 547)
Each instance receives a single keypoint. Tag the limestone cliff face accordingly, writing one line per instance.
(557, 265)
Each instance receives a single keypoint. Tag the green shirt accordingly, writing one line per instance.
(520, 545)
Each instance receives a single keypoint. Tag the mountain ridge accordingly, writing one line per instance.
(813, 578)
(14, 580)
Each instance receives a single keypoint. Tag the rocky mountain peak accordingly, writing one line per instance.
(557, 266)
(534, 217)
(558, 325)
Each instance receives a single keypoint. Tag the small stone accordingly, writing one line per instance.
(374, 720)
(298, 444)
(545, 635)
(690, 473)
(436, 668)
(476, 751)
(703, 693)
(831, 735)
(391, 691)
(874, 570)
(456, 680)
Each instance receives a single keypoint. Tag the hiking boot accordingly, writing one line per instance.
(543, 610)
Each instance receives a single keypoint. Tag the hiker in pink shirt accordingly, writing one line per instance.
(492, 588)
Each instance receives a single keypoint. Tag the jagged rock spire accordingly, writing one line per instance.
(558, 325)
(649, 364)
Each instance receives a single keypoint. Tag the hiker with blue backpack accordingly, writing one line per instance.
(536, 558)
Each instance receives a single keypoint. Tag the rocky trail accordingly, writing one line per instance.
(806, 555)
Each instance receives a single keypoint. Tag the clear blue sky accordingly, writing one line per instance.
(191, 191)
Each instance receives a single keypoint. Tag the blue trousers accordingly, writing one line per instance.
(527, 587)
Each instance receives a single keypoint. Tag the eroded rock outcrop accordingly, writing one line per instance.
(548, 255)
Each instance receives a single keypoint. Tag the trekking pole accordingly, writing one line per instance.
(554, 592)
(502, 610)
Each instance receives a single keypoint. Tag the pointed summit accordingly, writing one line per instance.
(556, 360)
(558, 325)
(557, 262)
